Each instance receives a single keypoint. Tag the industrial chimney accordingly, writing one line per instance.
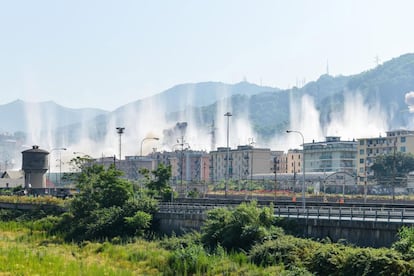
(35, 164)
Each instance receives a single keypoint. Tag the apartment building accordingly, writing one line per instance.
(187, 165)
(369, 148)
(331, 155)
(243, 162)
(293, 161)
(130, 165)
(278, 161)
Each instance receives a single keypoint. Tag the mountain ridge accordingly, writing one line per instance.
(268, 109)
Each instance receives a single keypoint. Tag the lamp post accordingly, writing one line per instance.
(227, 174)
(303, 164)
(120, 131)
(147, 138)
(140, 151)
(60, 161)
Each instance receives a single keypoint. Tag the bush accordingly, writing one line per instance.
(190, 260)
(369, 261)
(328, 259)
(184, 241)
(46, 224)
(240, 228)
(405, 242)
(105, 208)
(291, 251)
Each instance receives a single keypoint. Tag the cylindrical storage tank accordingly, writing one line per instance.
(35, 164)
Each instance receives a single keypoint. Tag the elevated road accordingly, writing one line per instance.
(374, 224)
(400, 214)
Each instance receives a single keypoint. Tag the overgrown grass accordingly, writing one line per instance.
(26, 250)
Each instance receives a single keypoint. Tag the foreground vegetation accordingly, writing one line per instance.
(25, 249)
(233, 242)
(108, 229)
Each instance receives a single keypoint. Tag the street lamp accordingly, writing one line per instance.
(60, 161)
(147, 138)
(120, 131)
(303, 164)
(227, 174)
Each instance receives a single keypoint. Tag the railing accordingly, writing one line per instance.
(348, 213)
(392, 215)
(182, 208)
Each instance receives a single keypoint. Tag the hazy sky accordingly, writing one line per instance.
(107, 53)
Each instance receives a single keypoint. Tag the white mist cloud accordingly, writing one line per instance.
(148, 119)
(304, 117)
(409, 100)
(358, 119)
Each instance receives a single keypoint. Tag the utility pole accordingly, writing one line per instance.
(228, 115)
(365, 179)
(275, 167)
(60, 163)
(251, 142)
(181, 142)
(394, 170)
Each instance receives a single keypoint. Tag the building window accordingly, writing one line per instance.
(402, 139)
(402, 149)
(361, 161)
(361, 142)
(361, 152)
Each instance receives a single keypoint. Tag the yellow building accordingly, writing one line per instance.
(243, 163)
(369, 148)
(294, 161)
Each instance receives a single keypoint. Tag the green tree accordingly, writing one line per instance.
(157, 181)
(390, 165)
(105, 207)
(239, 228)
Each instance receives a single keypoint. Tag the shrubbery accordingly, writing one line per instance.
(105, 207)
(405, 243)
(240, 228)
(242, 240)
(249, 229)
(290, 251)
(330, 258)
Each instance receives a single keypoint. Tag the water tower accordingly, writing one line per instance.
(35, 164)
